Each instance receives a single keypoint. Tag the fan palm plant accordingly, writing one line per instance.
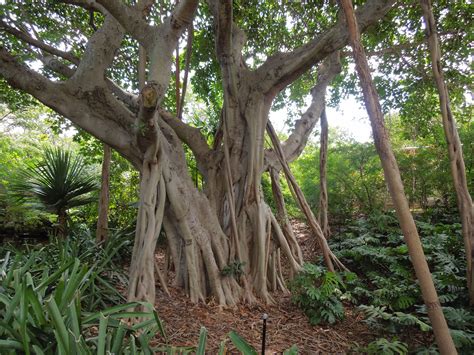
(57, 183)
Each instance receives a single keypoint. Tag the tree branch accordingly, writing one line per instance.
(165, 40)
(130, 100)
(282, 69)
(106, 122)
(99, 53)
(56, 65)
(38, 44)
(296, 142)
(90, 5)
(190, 135)
(183, 15)
(130, 17)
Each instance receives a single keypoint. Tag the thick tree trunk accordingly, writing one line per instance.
(256, 238)
(458, 170)
(102, 221)
(395, 185)
(323, 190)
(213, 235)
(152, 199)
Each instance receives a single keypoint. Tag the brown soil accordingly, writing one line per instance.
(286, 325)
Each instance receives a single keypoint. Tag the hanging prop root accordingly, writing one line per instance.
(329, 258)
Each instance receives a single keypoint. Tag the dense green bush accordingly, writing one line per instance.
(386, 288)
(51, 299)
(319, 292)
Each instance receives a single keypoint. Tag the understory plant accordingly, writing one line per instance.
(384, 346)
(57, 183)
(44, 311)
(386, 289)
(319, 292)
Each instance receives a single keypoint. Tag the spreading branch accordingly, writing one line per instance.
(296, 142)
(190, 135)
(130, 17)
(107, 122)
(130, 100)
(38, 44)
(99, 53)
(90, 5)
(282, 69)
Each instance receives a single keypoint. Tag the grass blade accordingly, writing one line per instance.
(60, 327)
(201, 350)
(102, 335)
(241, 344)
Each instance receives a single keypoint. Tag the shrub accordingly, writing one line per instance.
(318, 293)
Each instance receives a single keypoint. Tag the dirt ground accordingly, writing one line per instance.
(286, 325)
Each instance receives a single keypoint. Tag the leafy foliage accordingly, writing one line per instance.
(50, 297)
(59, 182)
(384, 346)
(386, 287)
(318, 293)
(234, 269)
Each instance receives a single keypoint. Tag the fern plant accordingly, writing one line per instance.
(318, 293)
(384, 346)
(386, 288)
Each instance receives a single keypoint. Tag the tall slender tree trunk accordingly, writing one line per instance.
(323, 189)
(102, 221)
(187, 65)
(394, 182)
(177, 82)
(458, 169)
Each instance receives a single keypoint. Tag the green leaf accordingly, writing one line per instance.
(201, 350)
(113, 310)
(241, 344)
(54, 276)
(10, 345)
(102, 335)
(59, 326)
(291, 351)
(118, 339)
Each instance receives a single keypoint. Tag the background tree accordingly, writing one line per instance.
(104, 198)
(58, 183)
(323, 192)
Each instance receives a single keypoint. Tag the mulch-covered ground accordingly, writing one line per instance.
(286, 325)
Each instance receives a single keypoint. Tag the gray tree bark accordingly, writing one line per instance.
(456, 159)
(104, 198)
(395, 185)
(323, 190)
(228, 224)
